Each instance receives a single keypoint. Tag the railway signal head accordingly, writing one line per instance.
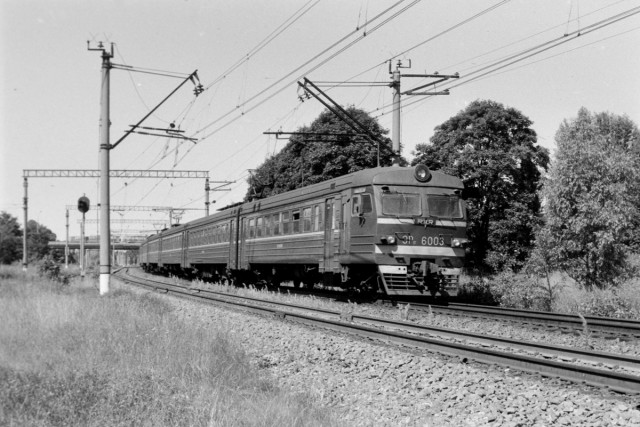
(83, 204)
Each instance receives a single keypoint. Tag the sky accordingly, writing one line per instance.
(545, 58)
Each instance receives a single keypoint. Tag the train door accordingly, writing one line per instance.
(233, 246)
(329, 226)
(345, 224)
(240, 244)
(184, 262)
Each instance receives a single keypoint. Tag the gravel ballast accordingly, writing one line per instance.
(372, 384)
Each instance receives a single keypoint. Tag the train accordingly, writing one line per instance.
(398, 231)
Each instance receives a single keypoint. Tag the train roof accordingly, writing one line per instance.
(394, 175)
(397, 176)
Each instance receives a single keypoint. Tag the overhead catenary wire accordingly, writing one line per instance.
(475, 16)
(528, 53)
(279, 30)
(431, 38)
(452, 66)
(477, 77)
(297, 76)
(561, 53)
(265, 42)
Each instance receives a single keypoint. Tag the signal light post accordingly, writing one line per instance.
(83, 206)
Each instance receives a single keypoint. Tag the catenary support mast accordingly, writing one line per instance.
(105, 232)
(395, 85)
(105, 211)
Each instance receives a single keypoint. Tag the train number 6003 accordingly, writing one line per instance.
(432, 241)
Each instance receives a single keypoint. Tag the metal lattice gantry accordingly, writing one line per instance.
(128, 221)
(95, 173)
(121, 208)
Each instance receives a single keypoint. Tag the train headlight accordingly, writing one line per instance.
(422, 173)
(459, 243)
(388, 240)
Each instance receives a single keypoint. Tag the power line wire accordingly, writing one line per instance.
(296, 70)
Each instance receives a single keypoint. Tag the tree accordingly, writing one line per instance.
(38, 238)
(309, 159)
(493, 150)
(10, 239)
(592, 197)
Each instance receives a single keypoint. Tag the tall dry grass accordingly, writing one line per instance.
(71, 357)
(622, 301)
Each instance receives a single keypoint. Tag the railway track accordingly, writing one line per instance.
(463, 345)
(623, 329)
(603, 326)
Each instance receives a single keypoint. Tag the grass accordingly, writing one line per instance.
(71, 357)
(621, 302)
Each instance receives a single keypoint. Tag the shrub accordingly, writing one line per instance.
(520, 291)
(50, 269)
(605, 303)
(477, 291)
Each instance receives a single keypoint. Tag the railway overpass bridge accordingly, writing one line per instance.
(123, 253)
(118, 246)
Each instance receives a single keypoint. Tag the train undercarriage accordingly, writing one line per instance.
(359, 281)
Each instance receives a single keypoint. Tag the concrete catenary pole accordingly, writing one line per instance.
(395, 132)
(105, 146)
(207, 188)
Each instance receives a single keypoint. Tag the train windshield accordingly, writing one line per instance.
(444, 206)
(398, 204)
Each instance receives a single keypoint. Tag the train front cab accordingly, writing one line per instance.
(418, 227)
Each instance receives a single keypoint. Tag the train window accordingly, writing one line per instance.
(276, 224)
(295, 219)
(399, 204)
(361, 205)
(306, 219)
(317, 218)
(259, 227)
(367, 206)
(268, 225)
(252, 228)
(444, 206)
(286, 227)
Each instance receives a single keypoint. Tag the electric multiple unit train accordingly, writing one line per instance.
(393, 230)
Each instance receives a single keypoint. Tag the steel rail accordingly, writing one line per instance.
(621, 382)
(569, 321)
